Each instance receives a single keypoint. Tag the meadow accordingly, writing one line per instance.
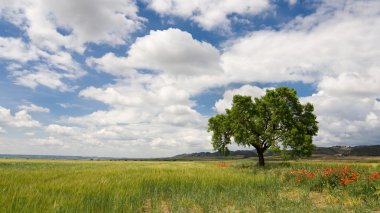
(176, 186)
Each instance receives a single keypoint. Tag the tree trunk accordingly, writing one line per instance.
(260, 153)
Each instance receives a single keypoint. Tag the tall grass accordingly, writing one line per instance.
(132, 186)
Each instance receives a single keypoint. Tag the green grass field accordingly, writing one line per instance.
(154, 186)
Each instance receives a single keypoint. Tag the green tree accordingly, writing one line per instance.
(276, 121)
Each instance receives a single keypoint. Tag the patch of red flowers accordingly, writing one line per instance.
(333, 176)
(223, 164)
(374, 176)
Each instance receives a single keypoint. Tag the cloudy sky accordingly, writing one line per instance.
(125, 78)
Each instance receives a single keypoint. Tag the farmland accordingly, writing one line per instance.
(177, 186)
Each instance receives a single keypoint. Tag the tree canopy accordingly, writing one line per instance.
(277, 121)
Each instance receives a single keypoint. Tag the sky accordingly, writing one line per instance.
(125, 78)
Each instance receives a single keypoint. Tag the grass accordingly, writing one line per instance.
(154, 186)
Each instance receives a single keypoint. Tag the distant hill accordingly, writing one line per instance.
(233, 154)
(373, 150)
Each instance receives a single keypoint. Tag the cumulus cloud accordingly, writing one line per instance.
(72, 24)
(209, 14)
(292, 2)
(16, 49)
(112, 96)
(150, 109)
(138, 102)
(226, 102)
(148, 113)
(19, 119)
(2, 130)
(346, 120)
(42, 76)
(179, 115)
(50, 142)
(338, 38)
(53, 30)
(353, 84)
(30, 134)
(39, 67)
(334, 48)
(61, 130)
(131, 140)
(136, 94)
(170, 51)
(33, 108)
(331, 48)
(112, 64)
(166, 58)
(175, 52)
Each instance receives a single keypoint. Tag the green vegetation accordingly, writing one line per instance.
(154, 186)
(276, 121)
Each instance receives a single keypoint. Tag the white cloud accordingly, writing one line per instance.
(84, 21)
(150, 111)
(112, 96)
(292, 2)
(141, 109)
(136, 102)
(352, 84)
(209, 14)
(318, 48)
(175, 52)
(53, 30)
(19, 119)
(130, 140)
(338, 38)
(145, 111)
(345, 120)
(50, 142)
(170, 51)
(111, 117)
(178, 62)
(53, 71)
(111, 64)
(48, 69)
(16, 49)
(96, 21)
(30, 134)
(2, 130)
(150, 94)
(33, 108)
(222, 104)
(43, 76)
(62, 60)
(61, 130)
(179, 115)
(336, 48)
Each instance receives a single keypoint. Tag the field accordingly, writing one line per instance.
(177, 186)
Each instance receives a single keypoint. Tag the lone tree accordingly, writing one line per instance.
(276, 121)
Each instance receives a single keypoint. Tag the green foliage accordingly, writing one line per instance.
(277, 121)
(220, 125)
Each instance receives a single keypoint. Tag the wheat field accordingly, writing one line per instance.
(163, 186)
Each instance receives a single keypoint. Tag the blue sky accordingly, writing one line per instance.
(141, 78)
